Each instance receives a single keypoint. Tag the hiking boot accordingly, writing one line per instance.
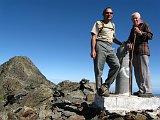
(103, 90)
(137, 93)
(99, 92)
(147, 95)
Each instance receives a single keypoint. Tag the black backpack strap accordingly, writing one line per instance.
(100, 29)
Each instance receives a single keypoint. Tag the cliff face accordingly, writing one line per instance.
(22, 84)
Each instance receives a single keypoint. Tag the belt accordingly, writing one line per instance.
(105, 42)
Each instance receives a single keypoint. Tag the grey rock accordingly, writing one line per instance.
(22, 84)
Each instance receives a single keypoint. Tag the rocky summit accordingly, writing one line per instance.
(26, 94)
(22, 84)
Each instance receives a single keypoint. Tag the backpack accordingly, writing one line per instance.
(100, 29)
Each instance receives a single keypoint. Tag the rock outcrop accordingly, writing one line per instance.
(22, 84)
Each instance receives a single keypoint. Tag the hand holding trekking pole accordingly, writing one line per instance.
(137, 30)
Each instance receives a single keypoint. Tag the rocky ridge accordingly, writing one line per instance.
(26, 94)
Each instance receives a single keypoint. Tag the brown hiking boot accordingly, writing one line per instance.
(147, 95)
(103, 91)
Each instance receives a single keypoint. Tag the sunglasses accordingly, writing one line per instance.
(109, 13)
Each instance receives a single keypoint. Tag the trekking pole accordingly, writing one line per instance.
(131, 66)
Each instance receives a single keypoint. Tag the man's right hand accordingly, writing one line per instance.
(93, 54)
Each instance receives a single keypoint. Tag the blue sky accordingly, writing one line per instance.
(55, 34)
